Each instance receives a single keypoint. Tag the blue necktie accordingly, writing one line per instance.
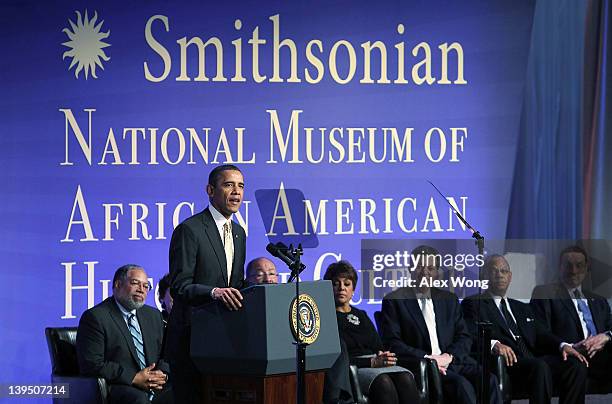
(586, 314)
(137, 337)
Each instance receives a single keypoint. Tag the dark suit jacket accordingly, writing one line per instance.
(537, 338)
(404, 330)
(105, 347)
(197, 265)
(555, 308)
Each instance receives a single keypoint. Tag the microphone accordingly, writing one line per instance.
(281, 251)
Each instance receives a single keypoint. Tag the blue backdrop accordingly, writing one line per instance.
(75, 208)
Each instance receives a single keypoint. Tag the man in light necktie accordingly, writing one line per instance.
(207, 255)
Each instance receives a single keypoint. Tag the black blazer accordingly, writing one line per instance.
(536, 337)
(554, 307)
(197, 259)
(105, 347)
(197, 265)
(404, 331)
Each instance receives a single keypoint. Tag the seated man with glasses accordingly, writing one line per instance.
(120, 340)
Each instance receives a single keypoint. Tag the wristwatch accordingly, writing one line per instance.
(609, 335)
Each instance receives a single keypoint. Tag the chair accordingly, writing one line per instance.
(358, 395)
(65, 369)
(361, 398)
(425, 371)
(510, 392)
(498, 368)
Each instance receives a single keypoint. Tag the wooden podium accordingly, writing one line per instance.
(248, 356)
(260, 389)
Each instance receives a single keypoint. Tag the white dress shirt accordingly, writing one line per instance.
(219, 219)
(429, 315)
(126, 315)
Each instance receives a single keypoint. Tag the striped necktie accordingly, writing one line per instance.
(137, 337)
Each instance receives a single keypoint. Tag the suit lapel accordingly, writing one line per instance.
(117, 317)
(521, 322)
(210, 228)
(238, 245)
(496, 315)
(412, 306)
(595, 313)
(441, 318)
(568, 303)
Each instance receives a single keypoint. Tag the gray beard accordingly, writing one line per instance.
(130, 304)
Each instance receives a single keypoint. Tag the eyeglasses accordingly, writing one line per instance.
(494, 271)
(145, 285)
(262, 274)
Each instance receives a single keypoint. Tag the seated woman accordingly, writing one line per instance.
(379, 377)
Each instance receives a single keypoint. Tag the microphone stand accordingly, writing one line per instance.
(300, 346)
(483, 328)
(483, 343)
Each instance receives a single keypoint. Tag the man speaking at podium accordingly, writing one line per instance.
(207, 254)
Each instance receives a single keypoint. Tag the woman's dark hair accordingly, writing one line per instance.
(162, 286)
(342, 269)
